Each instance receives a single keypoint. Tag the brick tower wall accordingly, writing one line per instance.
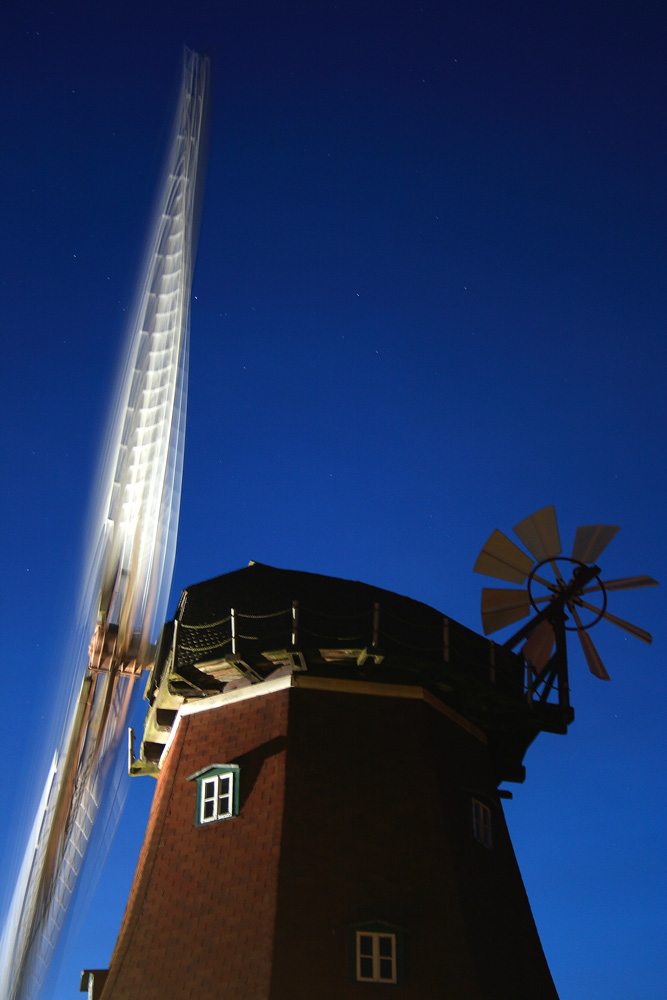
(203, 898)
(377, 827)
(353, 808)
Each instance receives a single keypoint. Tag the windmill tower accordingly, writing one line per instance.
(327, 813)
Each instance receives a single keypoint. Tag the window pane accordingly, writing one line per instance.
(365, 944)
(208, 800)
(386, 942)
(366, 968)
(225, 795)
(386, 968)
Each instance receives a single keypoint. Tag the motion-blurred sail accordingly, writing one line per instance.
(131, 562)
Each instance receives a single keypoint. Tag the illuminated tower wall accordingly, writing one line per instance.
(326, 819)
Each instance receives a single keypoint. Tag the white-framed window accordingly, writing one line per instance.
(482, 827)
(217, 798)
(217, 793)
(376, 956)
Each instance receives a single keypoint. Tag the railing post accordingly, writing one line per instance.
(295, 624)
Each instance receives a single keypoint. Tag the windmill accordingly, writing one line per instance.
(566, 592)
(132, 551)
(129, 579)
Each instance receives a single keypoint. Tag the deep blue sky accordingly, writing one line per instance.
(429, 301)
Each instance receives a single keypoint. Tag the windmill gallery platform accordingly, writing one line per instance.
(327, 821)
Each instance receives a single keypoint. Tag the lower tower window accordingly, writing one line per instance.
(376, 950)
(376, 957)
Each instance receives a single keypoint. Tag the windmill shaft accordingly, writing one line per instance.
(555, 607)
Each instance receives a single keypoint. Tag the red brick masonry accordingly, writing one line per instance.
(353, 808)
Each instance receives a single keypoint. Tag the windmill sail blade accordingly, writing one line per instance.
(626, 583)
(504, 560)
(539, 646)
(133, 548)
(502, 606)
(635, 630)
(591, 540)
(139, 502)
(26, 886)
(539, 533)
(595, 664)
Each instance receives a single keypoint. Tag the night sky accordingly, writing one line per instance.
(428, 301)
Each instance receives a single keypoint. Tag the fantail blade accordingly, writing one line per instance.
(502, 606)
(635, 630)
(595, 664)
(538, 648)
(592, 539)
(627, 583)
(504, 560)
(539, 533)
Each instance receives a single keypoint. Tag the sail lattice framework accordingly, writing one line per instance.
(132, 552)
